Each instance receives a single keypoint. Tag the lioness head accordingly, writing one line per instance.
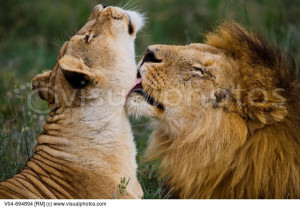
(234, 72)
(97, 62)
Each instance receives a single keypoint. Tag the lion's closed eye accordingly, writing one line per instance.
(199, 70)
(203, 72)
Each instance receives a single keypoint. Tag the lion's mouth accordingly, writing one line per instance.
(138, 88)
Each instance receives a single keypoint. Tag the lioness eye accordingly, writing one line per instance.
(130, 27)
(88, 37)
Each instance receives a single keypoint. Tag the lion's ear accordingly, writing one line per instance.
(40, 85)
(267, 112)
(75, 71)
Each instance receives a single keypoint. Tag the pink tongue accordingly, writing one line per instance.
(138, 81)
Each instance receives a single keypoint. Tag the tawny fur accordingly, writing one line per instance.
(213, 140)
(87, 144)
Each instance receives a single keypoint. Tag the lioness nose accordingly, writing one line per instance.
(100, 7)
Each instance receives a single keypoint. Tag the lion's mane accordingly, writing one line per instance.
(253, 156)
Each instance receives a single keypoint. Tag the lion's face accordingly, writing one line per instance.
(235, 72)
(98, 61)
(181, 81)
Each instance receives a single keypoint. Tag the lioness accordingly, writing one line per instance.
(87, 145)
(226, 116)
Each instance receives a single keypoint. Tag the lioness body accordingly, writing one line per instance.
(87, 145)
(226, 116)
(65, 165)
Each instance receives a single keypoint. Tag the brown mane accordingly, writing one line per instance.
(253, 50)
(252, 153)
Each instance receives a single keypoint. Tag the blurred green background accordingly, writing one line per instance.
(32, 32)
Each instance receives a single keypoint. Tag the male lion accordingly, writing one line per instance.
(87, 145)
(226, 115)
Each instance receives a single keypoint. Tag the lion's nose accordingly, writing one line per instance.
(104, 6)
(150, 57)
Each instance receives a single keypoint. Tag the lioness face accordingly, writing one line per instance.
(180, 81)
(99, 59)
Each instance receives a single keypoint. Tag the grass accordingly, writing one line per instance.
(32, 32)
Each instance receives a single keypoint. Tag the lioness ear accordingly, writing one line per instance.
(40, 85)
(75, 71)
